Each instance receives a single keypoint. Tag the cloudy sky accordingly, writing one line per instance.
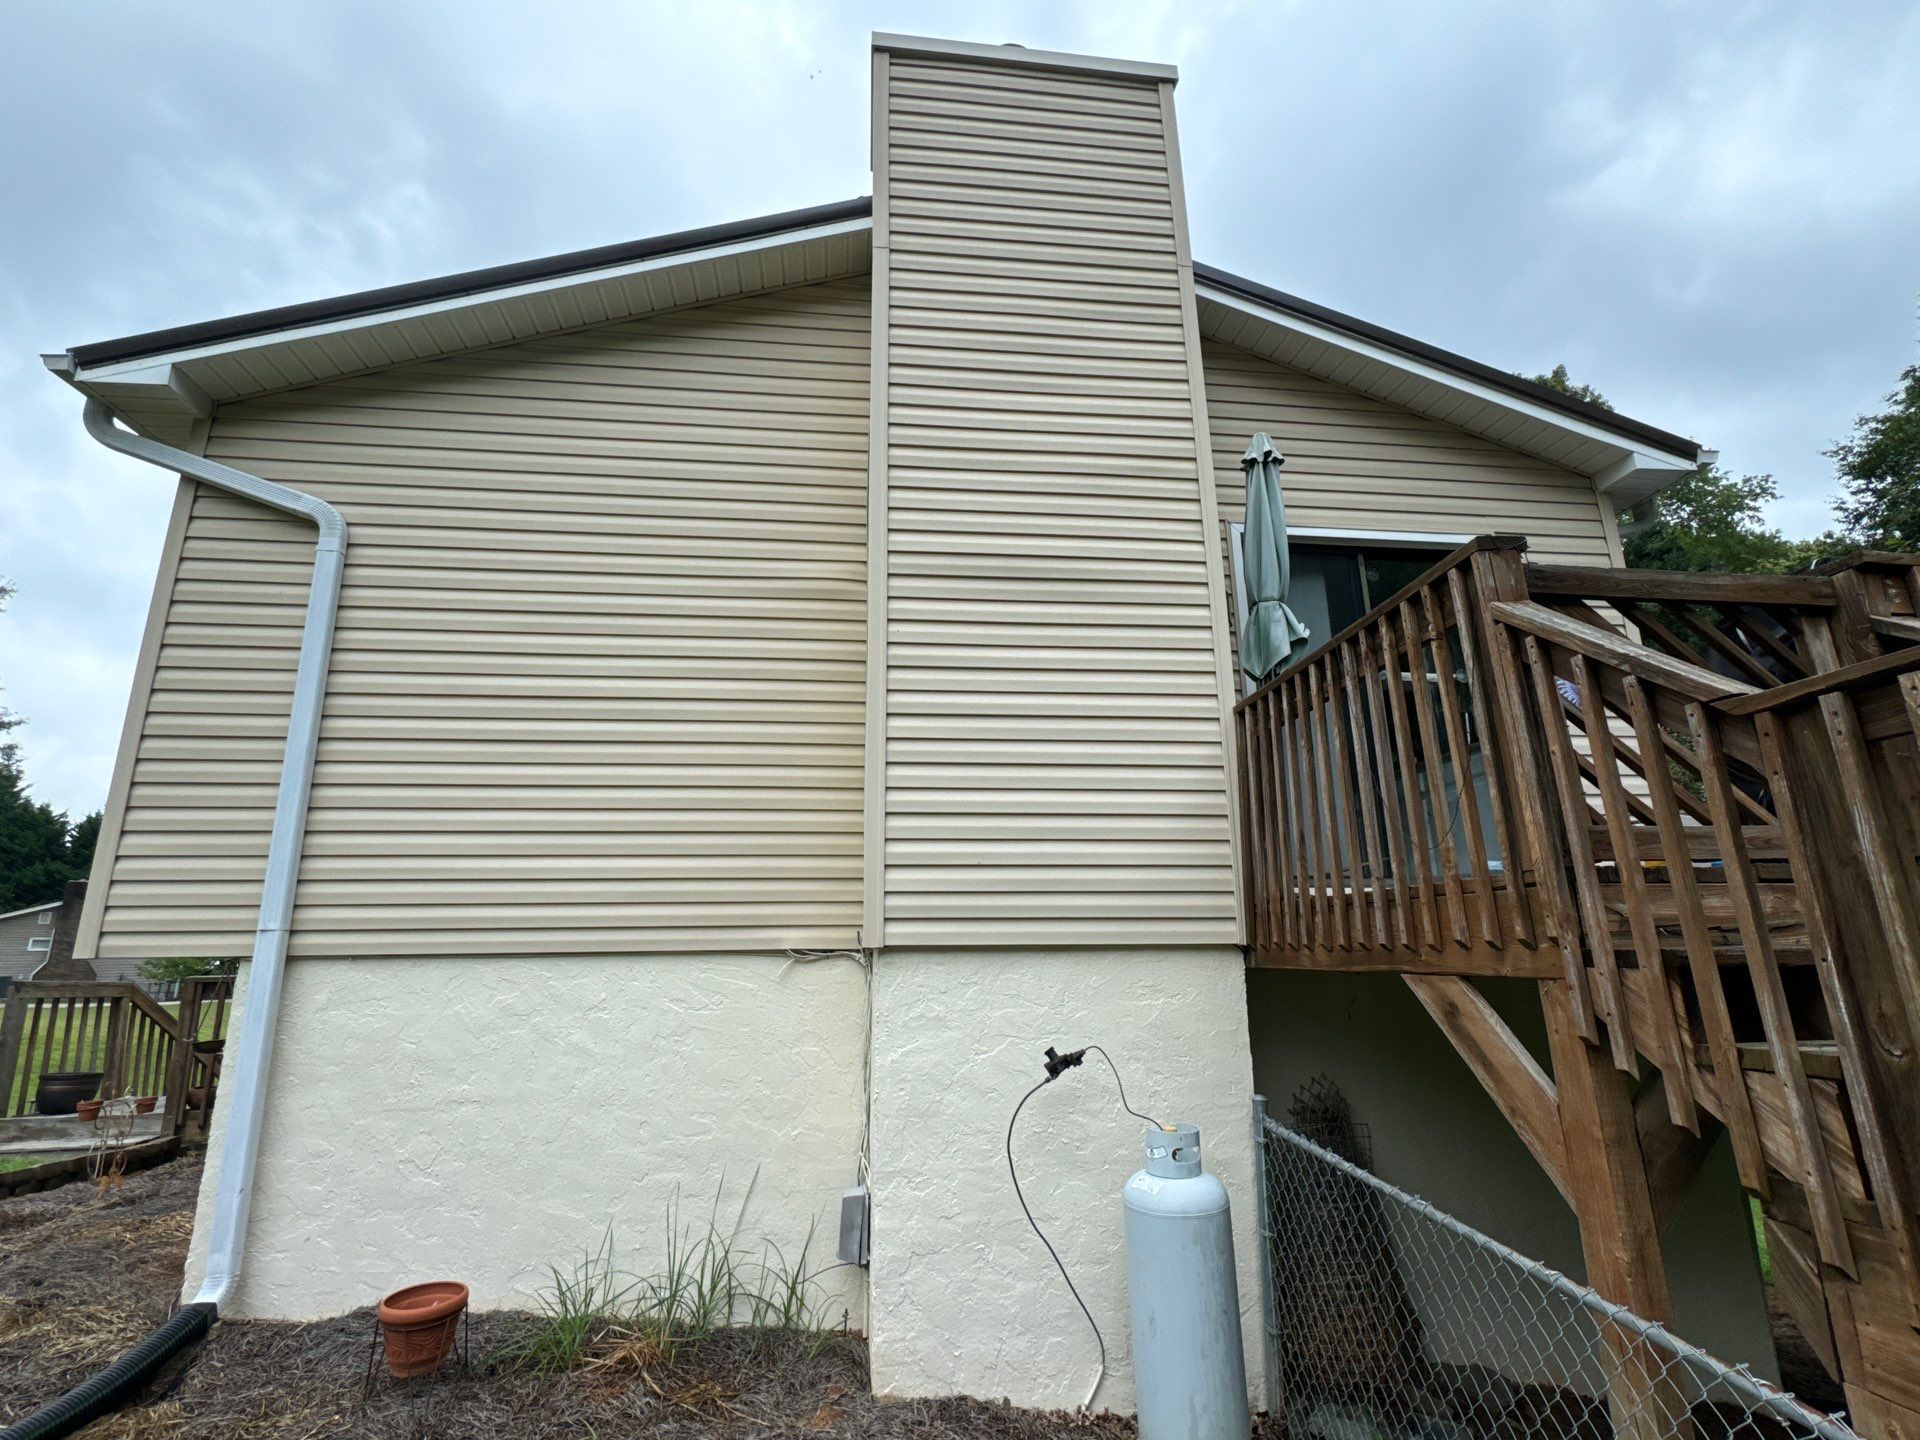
(1712, 211)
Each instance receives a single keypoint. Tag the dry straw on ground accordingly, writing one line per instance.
(84, 1272)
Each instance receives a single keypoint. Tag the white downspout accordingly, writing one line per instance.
(243, 1089)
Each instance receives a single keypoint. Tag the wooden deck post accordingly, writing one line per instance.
(13, 1020)
(1619, 1236)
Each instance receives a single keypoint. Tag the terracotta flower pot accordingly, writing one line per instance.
(419, 1324)
(143, 1104)
(88, 1110)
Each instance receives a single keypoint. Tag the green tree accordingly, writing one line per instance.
(1709, 521)
(162, 969)
(1558, 379)
(39, 850)
(81, 842)
(34, 864)
(1879, 472)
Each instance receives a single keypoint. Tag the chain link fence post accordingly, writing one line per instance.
(1269, 1328)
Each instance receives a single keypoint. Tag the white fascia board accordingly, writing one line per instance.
(1643, 459)
(31, 910)
(115, 370)
(165, 381)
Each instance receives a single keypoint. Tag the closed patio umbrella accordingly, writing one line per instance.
(1273, 631)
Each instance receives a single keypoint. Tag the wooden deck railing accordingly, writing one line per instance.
(1690, 806)
(1377, 819)
(1687, 796)
(140, 1046)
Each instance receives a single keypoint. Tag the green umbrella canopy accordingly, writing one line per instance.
(1274, 632)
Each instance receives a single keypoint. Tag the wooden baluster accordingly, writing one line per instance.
(1285, 850)
(23, 1101)
(1349, 879)
(1574, 829)
(1403, 930)
(1312, 809)
(1736, 1104)
(1889, 873)
(1252, 824)
(1428, 912)
(1673, 1056)
(1468, 800)
(1436, 773)
(1753, 621)
(1879, 1079)
(71, 1018)
(1279, 860)
(1504, 829)
(1500, 577)
(1260, 744)
(114, 1062)
(14, 1010)
(1776, 1020)
(1329, 808)
(1365, 790)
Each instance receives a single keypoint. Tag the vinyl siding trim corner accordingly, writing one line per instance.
(113, 816)
(1209, 501)
(873, 909)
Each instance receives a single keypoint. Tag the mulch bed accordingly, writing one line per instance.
(84, 1272)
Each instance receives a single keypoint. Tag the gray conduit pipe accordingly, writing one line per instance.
(243, 1088)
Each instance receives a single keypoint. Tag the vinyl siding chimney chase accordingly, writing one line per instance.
(1045, 599)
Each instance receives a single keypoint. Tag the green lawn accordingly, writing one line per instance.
(41, 1157)
(91, 1056)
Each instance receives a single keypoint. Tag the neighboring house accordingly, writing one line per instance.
(37, 943)
(782, 684)
(26, 939)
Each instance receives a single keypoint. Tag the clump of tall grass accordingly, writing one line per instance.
(709, 1281)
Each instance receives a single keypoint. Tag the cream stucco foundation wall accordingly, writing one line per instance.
(963, 1296)
(484, 1119)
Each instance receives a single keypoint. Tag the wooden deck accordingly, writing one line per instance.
(1689, 807)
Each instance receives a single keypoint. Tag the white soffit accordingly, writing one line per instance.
(164, 394)
(1625, 468)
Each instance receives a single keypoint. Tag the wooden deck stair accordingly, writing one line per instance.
(1689, 807)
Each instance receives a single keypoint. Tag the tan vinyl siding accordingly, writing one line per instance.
(1053, 770)
(1356, 463)
(597, 682)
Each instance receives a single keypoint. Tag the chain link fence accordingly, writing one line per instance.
(1391, 1320)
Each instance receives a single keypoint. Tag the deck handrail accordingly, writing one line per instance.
(1515, 769)
(114, 1027)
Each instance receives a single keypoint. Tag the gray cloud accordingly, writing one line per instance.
(1712, 213)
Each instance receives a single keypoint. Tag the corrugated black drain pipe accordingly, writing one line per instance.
(107, 1391)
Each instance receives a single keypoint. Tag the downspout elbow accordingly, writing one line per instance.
(330, 523)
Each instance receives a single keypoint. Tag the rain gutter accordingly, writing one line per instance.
(244, 1069)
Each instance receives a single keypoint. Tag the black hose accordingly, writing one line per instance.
(105, 1392)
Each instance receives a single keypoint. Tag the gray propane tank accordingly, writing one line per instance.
(1189, 1375)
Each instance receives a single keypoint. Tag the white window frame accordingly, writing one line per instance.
(39, 942)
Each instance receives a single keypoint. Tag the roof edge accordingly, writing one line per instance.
(467, 282)
(1520, 388)
(1010, 54)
